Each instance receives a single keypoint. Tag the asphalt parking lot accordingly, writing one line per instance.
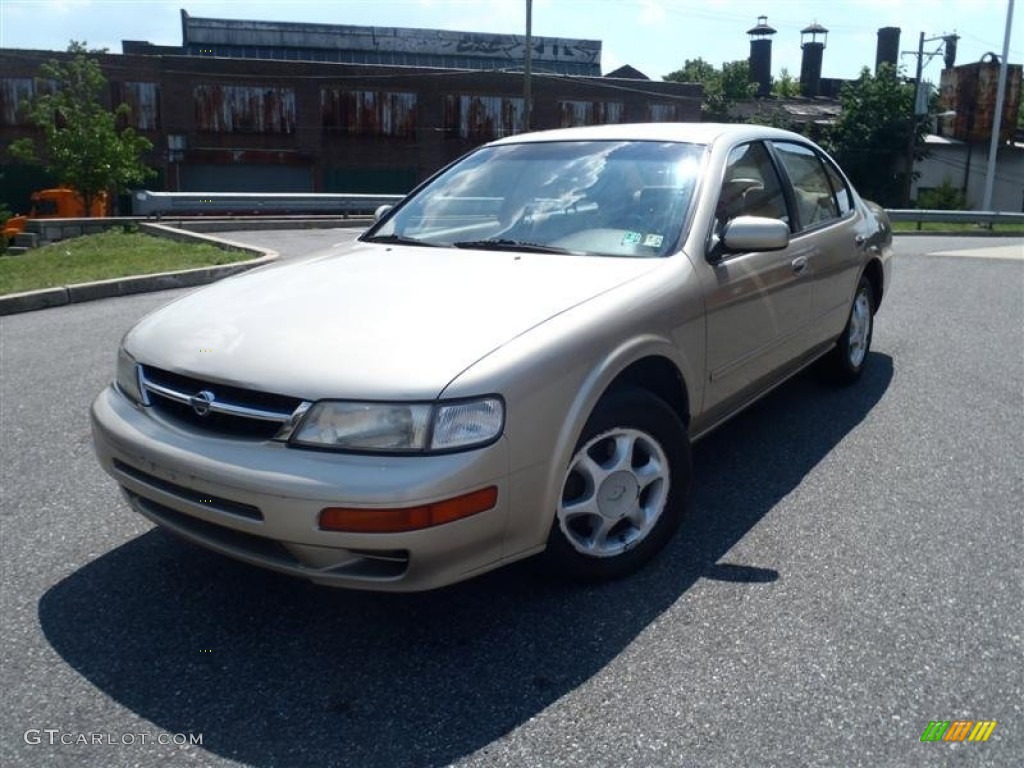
(851, 570)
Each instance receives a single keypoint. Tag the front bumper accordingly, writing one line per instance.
(259, 501)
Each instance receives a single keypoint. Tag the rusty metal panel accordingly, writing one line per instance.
(573, 113)
(369, 113)
(970, 90)
(665, 113)
(13, 90)
(144, 101)
(244, 108)
(482, 117)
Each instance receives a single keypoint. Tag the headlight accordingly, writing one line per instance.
(459, 425)
(128, 376)
(401, 427)
(365, 426)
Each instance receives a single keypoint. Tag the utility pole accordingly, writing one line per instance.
(912, 137)
(911, 141)
(528, 67)
(997, 119)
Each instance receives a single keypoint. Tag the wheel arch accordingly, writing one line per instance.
(875, 275)
(659, 376)
(650, 363)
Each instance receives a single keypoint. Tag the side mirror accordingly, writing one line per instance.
(381, 211)
(755, 233)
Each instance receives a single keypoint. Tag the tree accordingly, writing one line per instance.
(870, 138)
(736, 80)
(786, 87)
(80, 141)
(721, 86)
(693, 71)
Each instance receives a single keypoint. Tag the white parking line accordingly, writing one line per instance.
(1012, 252)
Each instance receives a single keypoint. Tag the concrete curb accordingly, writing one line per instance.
(211, 224)
(926, 233)
(126, 286)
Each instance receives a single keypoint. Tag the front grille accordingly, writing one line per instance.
(215, 423)
(234, 411)
(218, 503)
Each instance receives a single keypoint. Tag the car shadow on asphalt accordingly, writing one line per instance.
(275, 671)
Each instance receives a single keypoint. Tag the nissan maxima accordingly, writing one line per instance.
(513, 360)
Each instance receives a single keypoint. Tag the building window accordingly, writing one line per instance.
(482, 117)
(13, 90)
(144, 101)
(665, 113)
(573, 113)
(244, 109)
(368, 113)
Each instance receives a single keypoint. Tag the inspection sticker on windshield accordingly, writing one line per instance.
(654, 241)
(632, 238)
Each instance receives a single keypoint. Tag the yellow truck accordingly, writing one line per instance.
(58, 203)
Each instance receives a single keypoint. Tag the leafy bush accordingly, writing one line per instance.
(944, 197)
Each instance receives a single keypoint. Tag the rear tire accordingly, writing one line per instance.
(623, 494)
(846, 362)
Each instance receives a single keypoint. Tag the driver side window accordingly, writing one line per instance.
(751, 187)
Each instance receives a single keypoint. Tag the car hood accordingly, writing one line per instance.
(369, 321)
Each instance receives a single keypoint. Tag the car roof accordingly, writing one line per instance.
(692, 133)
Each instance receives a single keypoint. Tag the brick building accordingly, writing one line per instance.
(227, 123)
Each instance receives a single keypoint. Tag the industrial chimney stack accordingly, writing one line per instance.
(812, 41)
(761, 55)
(888, 50)
(949, 53)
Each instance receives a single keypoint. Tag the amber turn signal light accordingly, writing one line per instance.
(354, 520)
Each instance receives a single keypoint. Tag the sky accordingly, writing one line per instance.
(655, 36)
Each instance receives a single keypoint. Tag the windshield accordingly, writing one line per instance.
(610, 198)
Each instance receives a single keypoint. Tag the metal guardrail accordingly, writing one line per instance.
(163, 204)
(954, 217)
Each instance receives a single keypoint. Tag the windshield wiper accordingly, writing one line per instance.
(513, 245)
(399, 240)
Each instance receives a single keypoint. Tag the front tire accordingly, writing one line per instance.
(846, 362)
(624, 492)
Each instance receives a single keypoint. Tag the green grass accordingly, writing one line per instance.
(101, 257)
(939, 226)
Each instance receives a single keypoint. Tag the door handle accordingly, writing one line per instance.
(799, 264)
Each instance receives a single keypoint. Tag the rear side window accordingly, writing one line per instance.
(812, 190)
(843, 197)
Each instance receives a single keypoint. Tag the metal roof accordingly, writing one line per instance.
(385, 45)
